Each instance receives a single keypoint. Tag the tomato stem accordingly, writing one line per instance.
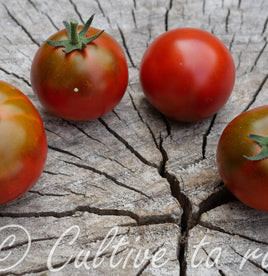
(75, 41)
(263, 142)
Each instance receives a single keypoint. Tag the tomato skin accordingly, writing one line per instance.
(246, 179)
(84, 84)
(23, 144)
(187, 74)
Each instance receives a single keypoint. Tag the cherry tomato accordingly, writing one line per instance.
(187, 74)
(23, 144)
(79, 76)
(242, 157)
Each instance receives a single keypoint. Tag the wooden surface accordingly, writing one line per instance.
(150, 180)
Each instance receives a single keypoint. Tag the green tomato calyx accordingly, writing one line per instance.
(263, 142)
(75, 41)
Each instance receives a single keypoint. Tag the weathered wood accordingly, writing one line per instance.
(153, 178)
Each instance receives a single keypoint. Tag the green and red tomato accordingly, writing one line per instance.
(242, 157)
(79, 75)
(23, 144)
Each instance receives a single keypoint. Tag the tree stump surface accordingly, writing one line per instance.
(135, 184)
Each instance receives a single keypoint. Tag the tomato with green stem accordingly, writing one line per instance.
(23, 144)
(80, 73)
(187, 74)
(242, 157)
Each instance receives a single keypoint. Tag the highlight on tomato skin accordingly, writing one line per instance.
(23, 144)
(187, 74)
(242, 157)
(81, 80)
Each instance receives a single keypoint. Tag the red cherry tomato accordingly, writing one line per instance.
(242, 157)
(187, 74)
(84, 83)
(23, 144)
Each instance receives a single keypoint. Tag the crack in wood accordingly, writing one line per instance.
(77, 11)
(125, 46)
(16, 76)
(7, 39)
(110, 177)
(239, 4)
(256, 94)
(231, 43)
(167, 14)
(116, 161)
(64, 152)
(145, 266)
(20, 244)
(81, 194)
(51, 21)
(227, 20)
(205, 136)
(149, 36)
(102, 12)
(212, 227)
(186, 216)
(220, 197)
(127, 145)
(70, 213)
(185, 205)
(116, 115)
(241, 20)
(143, 121)
(56, 173)
(252, 262)
(28, 57)
(134, 4)
(213, 30)
(204, 7)
(163, 162)
(55, 133)
(213, 261)
(183, 12)
(84, 132)
(33, 4)
(140, 221)
(20, 25)
(185, 220)
(48, 172)
(259, 55)
(167, 124)
(134, 18)
(46, 194)
(239, 61)
(156, 219)
(264, 26)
